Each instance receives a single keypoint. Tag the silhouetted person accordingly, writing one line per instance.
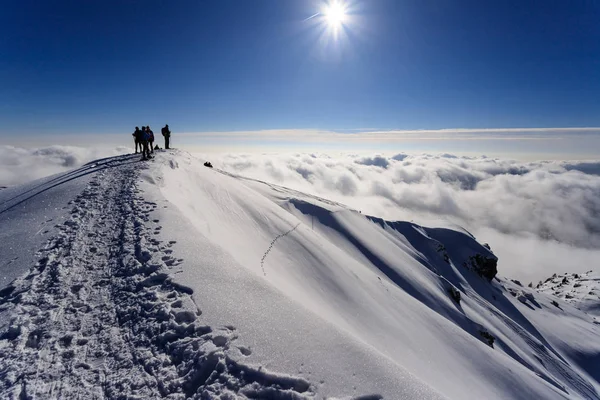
(145, 138)
(151, 138)
(136, 138)
(167, 134)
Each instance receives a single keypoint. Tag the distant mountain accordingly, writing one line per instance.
(580, 290)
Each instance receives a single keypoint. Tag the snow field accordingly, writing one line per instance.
(384, 283)
(99, 317)
(345, 305)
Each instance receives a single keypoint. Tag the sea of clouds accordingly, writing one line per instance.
(539, 217)
(19, 165)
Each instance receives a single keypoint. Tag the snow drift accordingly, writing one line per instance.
(170, 279)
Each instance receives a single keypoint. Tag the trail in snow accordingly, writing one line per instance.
(262, 261)
(60, 179)
(98, 317)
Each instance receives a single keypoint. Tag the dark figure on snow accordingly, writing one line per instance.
(167, 134)
(145, 139)
(136, 138)
(151, 138)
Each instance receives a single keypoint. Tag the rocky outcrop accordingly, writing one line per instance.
(484, 266)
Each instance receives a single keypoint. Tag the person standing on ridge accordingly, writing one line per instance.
(151, 138)
(145, 138)
(136, 138)
(167, 134)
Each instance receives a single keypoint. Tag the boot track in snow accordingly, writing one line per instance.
(98, 316)
(264, 257)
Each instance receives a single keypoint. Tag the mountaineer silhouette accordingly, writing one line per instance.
(167, 135)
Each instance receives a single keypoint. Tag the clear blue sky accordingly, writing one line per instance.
(224, 65)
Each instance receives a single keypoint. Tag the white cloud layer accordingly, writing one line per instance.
(539, 217)
(19, 165)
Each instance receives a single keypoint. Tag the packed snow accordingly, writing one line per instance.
(168, 279)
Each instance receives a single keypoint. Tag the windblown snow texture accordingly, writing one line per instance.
(99, 317)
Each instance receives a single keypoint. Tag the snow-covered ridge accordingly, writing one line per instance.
(98, 315)
(113, 262)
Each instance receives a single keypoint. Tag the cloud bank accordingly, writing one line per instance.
(19, 165)
(397, 135)
(539, 217)
(523, 143)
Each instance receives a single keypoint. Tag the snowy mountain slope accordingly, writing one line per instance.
(28, 212)
(338, 303)
(99, 316)
(369, 281)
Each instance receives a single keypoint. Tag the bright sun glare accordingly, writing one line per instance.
(335, 13)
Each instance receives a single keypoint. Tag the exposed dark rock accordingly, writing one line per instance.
(442, 249)
(486, 267)
(488, 338)
(455, 294)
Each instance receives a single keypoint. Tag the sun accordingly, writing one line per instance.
(335, 14)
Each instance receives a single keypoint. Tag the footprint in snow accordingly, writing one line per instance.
(245, 350)
(220, 340)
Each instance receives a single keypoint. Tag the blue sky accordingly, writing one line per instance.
(89, 67)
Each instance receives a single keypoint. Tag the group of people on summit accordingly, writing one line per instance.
(144, 139)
